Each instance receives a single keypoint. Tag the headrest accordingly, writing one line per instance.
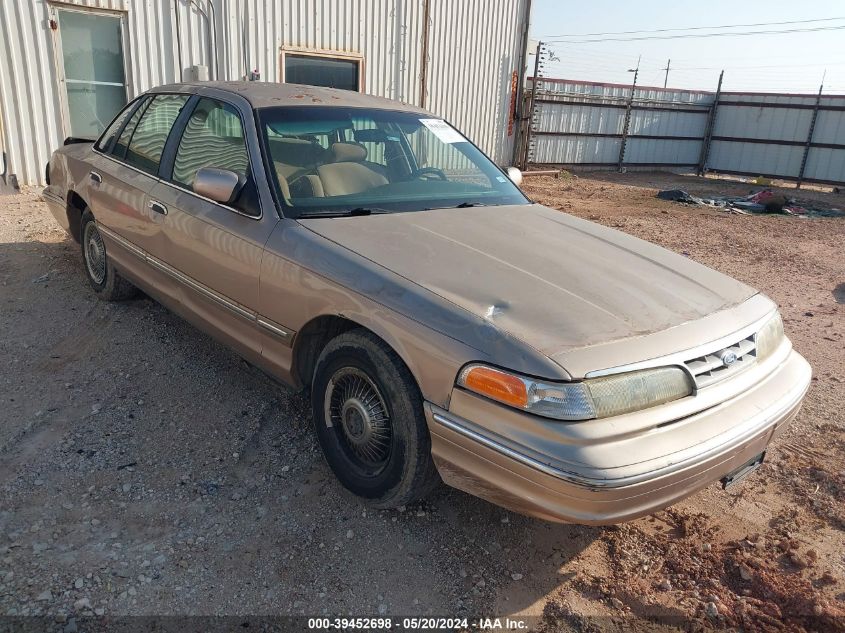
(296, 152)
(348, 152)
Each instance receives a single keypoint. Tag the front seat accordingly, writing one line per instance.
(349, 172)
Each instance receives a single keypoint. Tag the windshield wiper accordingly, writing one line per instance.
(345, 212)
(466, 205)
(462, 205)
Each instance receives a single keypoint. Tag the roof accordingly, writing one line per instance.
(263, 94)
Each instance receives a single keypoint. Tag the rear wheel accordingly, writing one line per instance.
(104, 279)
(369, 421)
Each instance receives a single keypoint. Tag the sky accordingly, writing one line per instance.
(783, 62)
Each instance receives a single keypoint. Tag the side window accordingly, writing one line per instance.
(213, 137)
(150, 135)
(122, 143)
(113, 130)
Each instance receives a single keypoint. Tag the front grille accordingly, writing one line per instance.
(710, 368)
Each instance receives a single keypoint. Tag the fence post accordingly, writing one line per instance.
(535, 80)
(809, 137)
(519, 110)
(708, 133)
(627, 122)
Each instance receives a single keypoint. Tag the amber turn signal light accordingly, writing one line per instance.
(496, 385)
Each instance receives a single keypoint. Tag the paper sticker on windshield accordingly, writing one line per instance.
(443, 130)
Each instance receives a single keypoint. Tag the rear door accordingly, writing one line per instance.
(123, 173)
(215, 249)
(115, 193)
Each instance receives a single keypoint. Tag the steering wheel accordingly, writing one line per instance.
(428, 173)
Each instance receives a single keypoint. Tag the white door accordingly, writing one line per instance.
(91, 55)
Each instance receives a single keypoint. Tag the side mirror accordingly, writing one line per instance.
(515, 175)
(220, 185)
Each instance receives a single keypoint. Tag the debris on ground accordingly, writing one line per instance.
(764, 201)
(679, 195)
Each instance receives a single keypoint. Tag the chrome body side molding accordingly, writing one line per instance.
(280, 332)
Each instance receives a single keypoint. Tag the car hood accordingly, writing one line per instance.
(553, 280)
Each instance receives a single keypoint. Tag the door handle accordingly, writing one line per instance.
(95, 177)
(158, 207)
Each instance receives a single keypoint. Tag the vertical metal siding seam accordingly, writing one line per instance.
(469, 84)
(484, 62)
(50, 134)
(24, 115)
(144, 52)
(7, 86)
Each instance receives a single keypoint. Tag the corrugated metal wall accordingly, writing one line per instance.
(473, 49)
(786, 119)
(581, 123)
(27, 83)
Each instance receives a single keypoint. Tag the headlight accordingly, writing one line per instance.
(769, 337)
(593, 398)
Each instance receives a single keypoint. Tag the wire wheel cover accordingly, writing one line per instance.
(95, 253)
(356, 410)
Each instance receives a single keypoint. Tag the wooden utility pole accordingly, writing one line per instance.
(535, 80)
(809, 142)
(666, 78)
(708, 134)
(628, 109)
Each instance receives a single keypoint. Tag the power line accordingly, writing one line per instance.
(795, 54)
(697, 35)
(604, 62)
(696, 28)
(778, 66)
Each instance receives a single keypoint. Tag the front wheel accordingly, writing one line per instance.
(369, 421)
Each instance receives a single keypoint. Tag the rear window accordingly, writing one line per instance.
(122, 143)
(109, 136)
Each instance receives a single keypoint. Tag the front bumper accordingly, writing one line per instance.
(576, 479)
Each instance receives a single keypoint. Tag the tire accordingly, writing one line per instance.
(107, 283)
(369, 420)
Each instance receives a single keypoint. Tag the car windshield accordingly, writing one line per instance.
(347, 161)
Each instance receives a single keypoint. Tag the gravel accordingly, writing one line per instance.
(143, 459)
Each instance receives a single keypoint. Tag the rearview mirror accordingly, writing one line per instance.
(371, 136)
(515, 175)
(220, 185)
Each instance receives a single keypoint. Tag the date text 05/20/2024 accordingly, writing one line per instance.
(419, 624)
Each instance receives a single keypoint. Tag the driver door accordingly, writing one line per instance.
(215, 248)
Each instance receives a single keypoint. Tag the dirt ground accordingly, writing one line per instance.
(145, 469)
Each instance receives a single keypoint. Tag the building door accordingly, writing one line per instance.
(91, 56)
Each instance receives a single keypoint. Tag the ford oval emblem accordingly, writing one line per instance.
(728, 358)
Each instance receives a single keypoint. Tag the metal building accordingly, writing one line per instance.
(66, 67)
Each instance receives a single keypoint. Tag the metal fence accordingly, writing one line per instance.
(789, 136)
